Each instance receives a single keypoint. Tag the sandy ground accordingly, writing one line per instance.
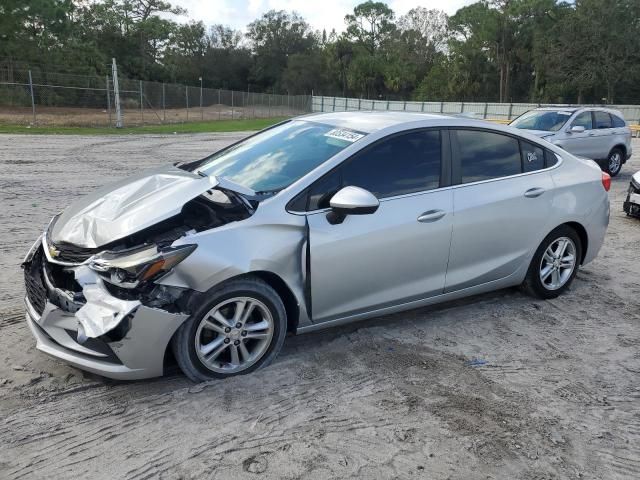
(499, 386)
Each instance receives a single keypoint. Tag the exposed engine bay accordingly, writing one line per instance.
(102, 287)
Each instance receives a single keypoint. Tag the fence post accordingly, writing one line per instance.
(441, 107)
(486, 108)
(141, 105)
(231, 104)
(108, 99)
(33, 101)
(334, 104)
(219, 106)
(462, 107)
(116, 93)
(359, 104)
(404, 107)
(321, 104)
(269, 111)
(510, 110)
(186, 96)
(164, 111)
(346, 104)
(422, 108)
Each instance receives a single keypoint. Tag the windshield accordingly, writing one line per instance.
(545, 120)
(275, 158)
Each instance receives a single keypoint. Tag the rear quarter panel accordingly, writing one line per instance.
(579, 196)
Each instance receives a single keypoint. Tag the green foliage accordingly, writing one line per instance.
(491, 50)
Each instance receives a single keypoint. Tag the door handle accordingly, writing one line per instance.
(431, 216)
(534, 192)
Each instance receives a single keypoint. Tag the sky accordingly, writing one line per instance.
(320, 14)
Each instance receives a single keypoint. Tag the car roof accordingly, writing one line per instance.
(575, 109)
(369, 122)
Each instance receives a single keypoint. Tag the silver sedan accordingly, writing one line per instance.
(317, 221)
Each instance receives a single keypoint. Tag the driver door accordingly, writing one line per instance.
(395, 255)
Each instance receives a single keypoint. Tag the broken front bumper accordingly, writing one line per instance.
(631, 205)
(59, 327)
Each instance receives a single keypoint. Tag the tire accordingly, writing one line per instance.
(614, 162)
(199, 344)
(547, 289)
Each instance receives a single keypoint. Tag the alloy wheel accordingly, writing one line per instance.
(234, 335)
(558, 263)
(615, 162)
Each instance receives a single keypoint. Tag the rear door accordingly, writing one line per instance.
(603, 134)
(501, 206)
(395, 255)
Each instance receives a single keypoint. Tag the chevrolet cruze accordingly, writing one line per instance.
(314, 222)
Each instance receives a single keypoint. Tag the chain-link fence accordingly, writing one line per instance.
(486, 110)
(34, 97)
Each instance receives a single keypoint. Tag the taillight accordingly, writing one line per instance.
(606, 181)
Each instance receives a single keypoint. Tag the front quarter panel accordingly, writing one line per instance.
(271, 240)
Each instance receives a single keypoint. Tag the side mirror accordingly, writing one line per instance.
(351, 201)
(577, 129)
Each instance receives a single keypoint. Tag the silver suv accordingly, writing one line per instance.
(597, 133)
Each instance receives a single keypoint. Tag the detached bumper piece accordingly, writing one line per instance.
(631, 205)
(56, 309)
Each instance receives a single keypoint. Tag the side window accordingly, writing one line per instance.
(486, 155)
(532, 157)
(402, 164)
(551, 158)
(583, 120)
(618, 122)
(602, 119)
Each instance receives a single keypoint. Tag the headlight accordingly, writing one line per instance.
(131, 268)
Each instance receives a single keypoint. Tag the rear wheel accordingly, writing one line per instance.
(555, 264)
(238, 329)
(614, 162)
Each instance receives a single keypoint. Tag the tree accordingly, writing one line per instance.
(274, 37)
(370, 25)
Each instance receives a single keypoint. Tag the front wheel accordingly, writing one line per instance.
(555, 264)
(239, 328)
(614, 162)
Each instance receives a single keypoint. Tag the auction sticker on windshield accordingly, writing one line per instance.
(344, 134)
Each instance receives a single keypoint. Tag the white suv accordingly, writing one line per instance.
(600, 134)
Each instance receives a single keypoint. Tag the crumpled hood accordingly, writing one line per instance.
(128, 206)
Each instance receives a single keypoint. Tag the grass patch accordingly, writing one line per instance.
(195, 127)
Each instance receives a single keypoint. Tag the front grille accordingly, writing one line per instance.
(72, 253)
(34, 283)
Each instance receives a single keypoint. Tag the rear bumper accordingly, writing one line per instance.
(140, 354)
(597, 229)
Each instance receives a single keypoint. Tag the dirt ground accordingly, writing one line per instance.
(499, 386)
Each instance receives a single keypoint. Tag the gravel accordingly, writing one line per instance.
(496, 386)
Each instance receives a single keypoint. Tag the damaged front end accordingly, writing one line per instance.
(98, 305)
(631, 205)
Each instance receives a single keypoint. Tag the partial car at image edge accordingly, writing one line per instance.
(317, 221)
